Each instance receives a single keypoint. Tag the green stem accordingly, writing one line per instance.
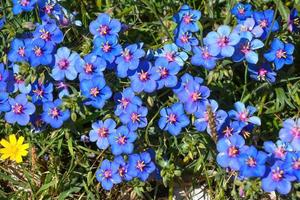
(171, 190)
(273, 21)
(246, 81)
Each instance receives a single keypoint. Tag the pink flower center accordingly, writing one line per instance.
(243, 116)
(122, 171)
(228, 131)
(94, 91)
(143, 76)
(54, 112)
(39, 92)
(170, 56)
(103, 30)
(187, 18)
(277, 174)
(196, 96)
(223, 41)
(233, 151)
(246, 48)
(135, 117)
(18, 108)
(38, 51)
(263, 23)
(281, 53)
(102, 132)
(172, 118)
(45, 35)
(280, 152)
(241, 10)
(88, 68)
(21, 51)
(251, 162)
(24, 2)
(205, 54)
(262, 72)
(63, 63)
(127, 55)
(164, 72)
(296, 164)
(107, 174)
(296, 132)
(122, 140)
(184, 38)
(106, 47)
(18, 79)
(140, 165)
(124, 102)
(48, 8)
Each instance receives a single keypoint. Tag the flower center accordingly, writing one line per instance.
(296, 164)
(244, 116)
(106, 47)
(124, 102)
(107, 174)
(280, 152)
(102, 132)
(262, 72)
(228, 131)
(143, 76)
(184, 38)
(38, 51)
(39, 92)
(277, 174)
(172, 118)
(18, 108)
(251, 162)
(135, 117)
(170, 56)
(94, 91)
(64, 63)
(55, 112)
(18, 79)
(281, 53)
(21, 51)
(45, 35)
(104, 30)
(122, 171)
(196, 96)
(122, 140)
(187, 18)
(296, 131)
(164, 72)
(223, 41)
(127, 55)
(241, 10)
(48, 8)
(24, 2)
(245, 48)
(263, 23)
(88, 68)
(233, 151)
(141, 165)
(205, 54)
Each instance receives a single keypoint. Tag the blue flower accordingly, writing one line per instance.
(294, 21)
(144, 78)
(279, 179)
(123, 168)
(171, 53)
(100, 132)
(264, 19)
(194, 97)
(96, 91)
(129, 59)
(230, 151)
(62, 88)
(20, 111)
(253, 163)
(242, 11)
(90, 66)
(4, 74)
(54, 114)
(222, 41)
(49, 32)
(290, 133)
(140, 165)
(65, 62)
(23, 5)
(107, 48)
(167, 72)
(248, 29)
(105, 27)
(108, 174)
(185, 40)
(135, 117)
(184, 80)
(203, 57)
(2, 22)
(121, 141)
(280, 53)
(293, 160)
(4, 104)
(17, 52)
(41, 93)
(245, 49)
(278, 150)
(37, 123)
(187, 19)
(243, 114)
(173, 119)
(202, 117)
(229, 128)
(39, 53)
(125, 100)
(262, 72)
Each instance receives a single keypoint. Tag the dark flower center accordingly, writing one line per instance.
(55, 112)
(223, 41)
(122, 140)
(64, 63)
(277, 174)
(122, 171)
(245, 48)
(251, 162)
(233, 151)
(18, 109)
(164, 72)
(281, 53)
(95, 91)
(45, 35)
(228, 131)
(172, 118)
(103, 132)
(141, 165)
(107, 174)
(104, 30)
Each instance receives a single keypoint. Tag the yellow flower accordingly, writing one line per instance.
(14, 149)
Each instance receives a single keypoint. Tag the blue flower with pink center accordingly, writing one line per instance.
(248, 29)
(230, 151)
(242, 11)
(39, 53)
(203, 57)
(141, 165)
(95, 91)
(244, 114)
(294, 21)
(222, 42)
(264, 19)
(4, 74)
(185, 40)
(23, 5)
(121, 141)
(91, 65)
(253, 163)
(167, 72)
(145, 78)
(187, 19)
(280, 53)
(125, 100)
(290, 133)
(135, 117)
(20, 111)
(17, 52)
(277, 150)
(100, 132)
(108, 174)
(172, 54)
(62, 88)
(4, 104)
(278, 179)
(194, 97)
(229, 128)
(49, 32)
(183, 82)
(129, 59)
(41, 92)
(293, 160)
(65, 62)
(54, 114)
(262, 72)
(173, 119)
(105, 27)
(107, 48)
(123, 168)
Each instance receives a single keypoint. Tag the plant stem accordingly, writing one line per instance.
(171, 190)
(246, 80)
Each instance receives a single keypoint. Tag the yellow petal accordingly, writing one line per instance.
(4, 156)
(19, 159)
(23, 152)
(13, 139)
(4, 143)
(24, 146)
(20, 140)
(3, 150)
